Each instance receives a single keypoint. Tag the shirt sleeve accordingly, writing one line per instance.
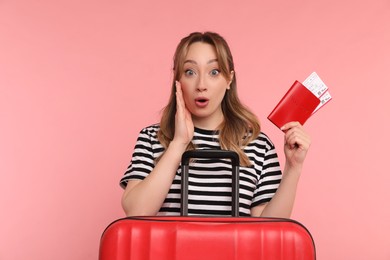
(270, 176)
(142, 161)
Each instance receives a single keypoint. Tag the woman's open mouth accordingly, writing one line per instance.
(201, 102)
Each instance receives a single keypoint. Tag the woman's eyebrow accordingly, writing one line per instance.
(195, 63)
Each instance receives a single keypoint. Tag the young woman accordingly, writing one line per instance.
(204, 112)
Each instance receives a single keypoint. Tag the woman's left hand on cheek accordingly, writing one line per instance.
(296, 144)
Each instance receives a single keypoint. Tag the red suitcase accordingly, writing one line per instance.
(206, 238)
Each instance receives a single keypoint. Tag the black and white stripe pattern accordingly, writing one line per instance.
(210, 179)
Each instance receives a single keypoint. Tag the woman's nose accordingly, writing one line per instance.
(201, 84)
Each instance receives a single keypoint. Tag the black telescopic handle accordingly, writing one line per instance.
(215, 154)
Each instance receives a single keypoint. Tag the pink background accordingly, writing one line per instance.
(79, 79)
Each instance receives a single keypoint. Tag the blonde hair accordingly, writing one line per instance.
(240, 125)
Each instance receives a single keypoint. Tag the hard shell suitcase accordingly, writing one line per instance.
(206, 238)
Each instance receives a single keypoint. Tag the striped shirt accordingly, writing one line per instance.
(210, 179)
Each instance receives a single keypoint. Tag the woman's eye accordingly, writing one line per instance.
(214, 72)
(189, 72)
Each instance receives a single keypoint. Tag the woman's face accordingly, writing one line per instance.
(203, 85)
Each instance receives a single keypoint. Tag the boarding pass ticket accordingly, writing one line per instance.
(318, 88)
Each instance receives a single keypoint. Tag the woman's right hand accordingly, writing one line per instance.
(184, 127)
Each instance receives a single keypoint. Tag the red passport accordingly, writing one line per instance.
(298, 104)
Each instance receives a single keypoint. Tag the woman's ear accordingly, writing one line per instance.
(230, 78)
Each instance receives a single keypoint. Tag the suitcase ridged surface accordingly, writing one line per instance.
(190, 238)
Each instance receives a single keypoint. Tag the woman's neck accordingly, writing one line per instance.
(208, 123)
